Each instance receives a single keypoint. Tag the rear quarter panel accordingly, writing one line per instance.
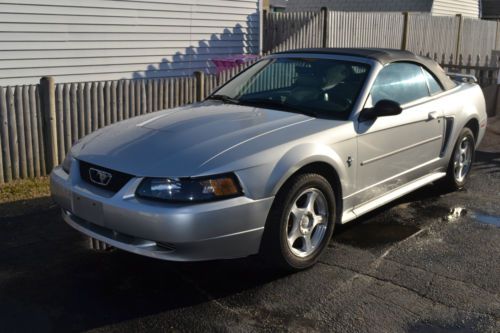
(462, 104)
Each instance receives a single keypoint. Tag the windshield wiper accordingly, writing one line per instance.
(225, 99)
(263, 102)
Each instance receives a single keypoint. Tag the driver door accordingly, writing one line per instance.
(395, 150)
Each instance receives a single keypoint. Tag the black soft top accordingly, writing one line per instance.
(385, 56)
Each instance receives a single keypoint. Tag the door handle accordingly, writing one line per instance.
(433, 115)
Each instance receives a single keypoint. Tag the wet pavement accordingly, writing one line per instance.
(429, 262)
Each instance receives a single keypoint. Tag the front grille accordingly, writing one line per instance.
(117, 181)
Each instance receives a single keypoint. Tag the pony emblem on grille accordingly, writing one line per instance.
(99, 177)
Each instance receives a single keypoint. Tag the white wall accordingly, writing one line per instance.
(468, 8)
(111, 39)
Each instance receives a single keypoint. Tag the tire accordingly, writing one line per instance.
(300, 223)
(461, 161)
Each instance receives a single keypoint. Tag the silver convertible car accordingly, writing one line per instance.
(275, 158)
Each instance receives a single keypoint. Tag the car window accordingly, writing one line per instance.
(400, 82)
(434, 86)
(320, 87)
(278, 75)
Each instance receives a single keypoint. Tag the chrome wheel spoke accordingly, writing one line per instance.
(464, 148)
(297, 212)
(318, 219)
(307, 243)
(293, 235)
(311, 199)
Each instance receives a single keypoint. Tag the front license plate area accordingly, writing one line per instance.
(88, 209)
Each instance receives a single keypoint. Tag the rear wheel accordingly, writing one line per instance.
(300, 223)
(461, 160)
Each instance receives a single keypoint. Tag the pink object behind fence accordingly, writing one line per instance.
(222, 64)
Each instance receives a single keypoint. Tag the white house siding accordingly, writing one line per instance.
(112, 39)
(468, 8)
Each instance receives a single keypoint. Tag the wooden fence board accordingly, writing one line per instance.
(60, 123)
(94, 106)
(13, 133)
(6, 148)
(68, 130)
(18, 105)
(101, 112)
(87, 107)
(28, 130)
(144, 102)
(41, 141)
(111, 91)
(34, 114)
(74, 112)
(119, 101)
(126, 99)
(80, 90)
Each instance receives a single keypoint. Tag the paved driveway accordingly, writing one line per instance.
(427, 263)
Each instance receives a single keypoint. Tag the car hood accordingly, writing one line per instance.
(177, 142)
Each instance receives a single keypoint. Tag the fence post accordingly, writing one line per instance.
(49, 126)
(497, 36)
(326, 28)
(263, 33)
(459, 36)
(199, 78)
(406, 30)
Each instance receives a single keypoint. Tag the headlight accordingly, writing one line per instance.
(66, 164)
(190, 189)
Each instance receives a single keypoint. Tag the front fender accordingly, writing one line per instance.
(300, 156)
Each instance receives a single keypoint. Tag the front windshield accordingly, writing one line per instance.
(317, 87)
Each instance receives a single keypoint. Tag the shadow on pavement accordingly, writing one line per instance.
(487, 161)
(50, 280)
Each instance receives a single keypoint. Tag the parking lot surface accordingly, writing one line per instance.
(429, 262)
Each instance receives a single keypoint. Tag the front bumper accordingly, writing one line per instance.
(224, 229)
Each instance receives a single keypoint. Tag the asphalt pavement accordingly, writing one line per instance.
(429, 262)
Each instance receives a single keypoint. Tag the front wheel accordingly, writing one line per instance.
(300, 223)
(461, 160)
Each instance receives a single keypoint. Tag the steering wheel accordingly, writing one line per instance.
(304, 94)
(337, 98)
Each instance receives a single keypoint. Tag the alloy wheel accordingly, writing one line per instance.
(462, 159)
(307, 222)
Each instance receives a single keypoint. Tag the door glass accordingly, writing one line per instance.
(400, 82)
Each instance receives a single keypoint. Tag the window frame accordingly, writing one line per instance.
(410, 103)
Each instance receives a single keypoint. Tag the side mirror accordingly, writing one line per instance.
(383, 108)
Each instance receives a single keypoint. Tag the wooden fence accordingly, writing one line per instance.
(416, 32)
(40, 123)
